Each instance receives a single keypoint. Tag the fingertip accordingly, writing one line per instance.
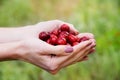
(88, 35)
(68, 49)
(87, 42)
(62, 50)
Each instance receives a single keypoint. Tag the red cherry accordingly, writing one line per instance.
(84, 39)
(55, 32)
(65, 27)
(72, 38)
(59, 31)
(61, 41)
(53, 39)
(75, 43)
(64, 34)
(48, 41)
(79, 40)
(71, 32)
(44, 36)
(74, 33)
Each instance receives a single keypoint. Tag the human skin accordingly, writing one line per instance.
(22, 43)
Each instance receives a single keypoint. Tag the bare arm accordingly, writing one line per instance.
(24, 32)
(9, 51)
(13, 34)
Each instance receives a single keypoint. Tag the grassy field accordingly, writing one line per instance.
(101, 17)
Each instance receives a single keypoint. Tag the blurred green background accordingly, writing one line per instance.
(101, 17)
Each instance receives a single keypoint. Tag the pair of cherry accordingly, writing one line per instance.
(61, 36)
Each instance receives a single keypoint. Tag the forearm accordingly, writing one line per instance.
(9, 51)
(13, 34)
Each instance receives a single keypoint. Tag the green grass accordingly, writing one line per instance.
(101, 17)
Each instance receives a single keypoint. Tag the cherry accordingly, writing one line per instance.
(65, 27)
(72, 38)
(61, 41)
(79, 40)
(53, 39)
(59, 31)
(75, 43)
(48, 41)
(44, 36)
(55, 32)
(84, 39)
(64, 34)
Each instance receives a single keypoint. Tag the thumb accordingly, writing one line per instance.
(60, 50)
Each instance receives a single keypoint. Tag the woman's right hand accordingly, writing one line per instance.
(38, 52)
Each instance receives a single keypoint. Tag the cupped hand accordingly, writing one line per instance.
(47, 26)
(38, 52)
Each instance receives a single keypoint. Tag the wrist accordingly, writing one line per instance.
(9, 51)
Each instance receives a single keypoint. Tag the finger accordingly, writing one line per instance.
(83, 60)
(77, 49)
(88, 35)
(68, 64)
(88, 49)
(92, 51)
(85, 52)
(50, 25)
(70, 58)
(60, 50)
(81, 46)
(83, 57)
(73, 57)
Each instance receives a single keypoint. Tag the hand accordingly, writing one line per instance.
(47, 26)
(38, 52)
(78, 56)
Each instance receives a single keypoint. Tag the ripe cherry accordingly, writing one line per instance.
(79, 40)
(65, 27)
(61, 41)
(72, 38)
(75, 43)
(84, 39)
(48, 41)
(55, 32)
(59, 31)
(53, 39)
(64, 34)
(44, 36)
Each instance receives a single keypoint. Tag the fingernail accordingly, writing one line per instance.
(68, 49)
